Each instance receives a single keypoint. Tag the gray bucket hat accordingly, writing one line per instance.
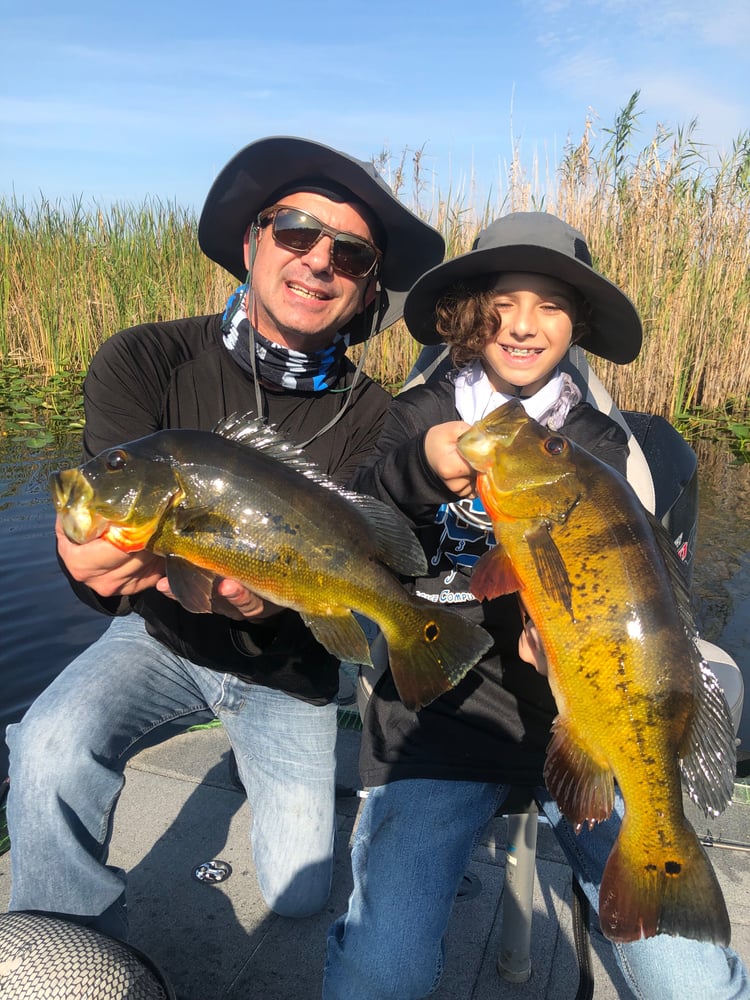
(264, 170)
(539, 243)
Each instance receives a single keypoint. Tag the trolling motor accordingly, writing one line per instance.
(43, 956)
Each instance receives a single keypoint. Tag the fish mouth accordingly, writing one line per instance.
(72, 496)
(61, 486)
(485, 441)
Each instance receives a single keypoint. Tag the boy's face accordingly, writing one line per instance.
(300, 300)
(536, 314)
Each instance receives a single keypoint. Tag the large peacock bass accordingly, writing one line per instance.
(636, 704)
(241, 502)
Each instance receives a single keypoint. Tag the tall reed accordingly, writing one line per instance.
(72, 276)
(667, 222)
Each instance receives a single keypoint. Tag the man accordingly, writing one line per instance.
(326, 255)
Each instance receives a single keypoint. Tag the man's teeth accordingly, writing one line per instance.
(306, 292)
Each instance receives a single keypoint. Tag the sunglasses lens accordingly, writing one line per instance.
(353, 256)
(299, 232)
(295, 230)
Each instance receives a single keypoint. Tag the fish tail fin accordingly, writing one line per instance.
(650, 889)
(431, 658)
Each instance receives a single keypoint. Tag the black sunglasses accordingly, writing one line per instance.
(299, 231)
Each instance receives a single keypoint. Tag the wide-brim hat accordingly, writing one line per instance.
(539, 243)
(262, 171)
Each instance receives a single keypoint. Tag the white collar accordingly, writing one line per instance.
(475, 397)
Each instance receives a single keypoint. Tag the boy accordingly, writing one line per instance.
(509, 310)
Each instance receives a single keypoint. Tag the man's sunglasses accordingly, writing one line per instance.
(299, 231)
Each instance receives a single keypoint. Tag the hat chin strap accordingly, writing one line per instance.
(374, 329)
(252, 248)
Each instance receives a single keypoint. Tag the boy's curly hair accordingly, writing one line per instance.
(466, 318)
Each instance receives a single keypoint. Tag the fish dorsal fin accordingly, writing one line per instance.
(396, 544)
(677, 575)
(708, 756)
(256, 433)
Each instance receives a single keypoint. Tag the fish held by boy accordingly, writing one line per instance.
(636, 704)
(241, 502)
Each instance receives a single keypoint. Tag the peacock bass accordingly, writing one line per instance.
(636, 704)
(241, 502)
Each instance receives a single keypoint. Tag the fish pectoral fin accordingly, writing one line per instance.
(708, 753)
(195, 589)
(583, 788)
(201, 521)
(550, 566)
(494, 575)
(341, 635)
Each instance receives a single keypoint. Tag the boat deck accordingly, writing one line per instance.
(220, 942)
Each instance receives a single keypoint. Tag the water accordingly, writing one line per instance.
(721, 584)
(43, 626)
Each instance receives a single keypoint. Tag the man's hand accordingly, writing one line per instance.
(233, 599)
(106, 569)
(446, 460)
(111, 572)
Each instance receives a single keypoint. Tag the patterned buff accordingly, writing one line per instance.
(277, 365)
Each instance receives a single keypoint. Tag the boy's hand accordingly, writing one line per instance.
(445, 459)
(530, 648)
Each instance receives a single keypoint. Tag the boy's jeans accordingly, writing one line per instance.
(128, 691)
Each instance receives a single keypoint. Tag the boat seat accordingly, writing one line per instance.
(638, 472)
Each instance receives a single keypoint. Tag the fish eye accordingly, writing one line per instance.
(555, 445)
(117, 459)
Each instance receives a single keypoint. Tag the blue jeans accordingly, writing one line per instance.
(128, 691)
(413, 844)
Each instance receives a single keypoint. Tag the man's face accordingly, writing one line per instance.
(300, 301)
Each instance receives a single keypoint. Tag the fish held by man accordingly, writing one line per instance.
(241, 502)
(636, 704)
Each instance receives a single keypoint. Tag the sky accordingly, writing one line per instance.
(148, 100)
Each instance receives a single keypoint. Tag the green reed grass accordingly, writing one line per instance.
(668, 221)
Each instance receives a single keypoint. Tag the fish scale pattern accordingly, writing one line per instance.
(43, 958)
